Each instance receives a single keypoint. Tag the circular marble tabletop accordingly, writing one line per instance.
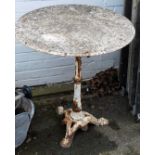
(74, 30)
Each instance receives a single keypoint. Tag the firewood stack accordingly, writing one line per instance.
(104, 83)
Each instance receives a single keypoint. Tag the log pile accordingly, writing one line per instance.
(104, 83)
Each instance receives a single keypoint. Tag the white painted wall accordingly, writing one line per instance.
(35, 68)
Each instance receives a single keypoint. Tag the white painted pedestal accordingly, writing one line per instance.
(75, 118)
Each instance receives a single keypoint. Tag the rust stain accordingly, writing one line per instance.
(78, 62)
(75, 106)
(87, 52)
(65, 120)
(77, 81)
(69, 112)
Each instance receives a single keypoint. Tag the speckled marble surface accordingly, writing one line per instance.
(74, 30)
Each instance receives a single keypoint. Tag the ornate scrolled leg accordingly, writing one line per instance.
(78, 120)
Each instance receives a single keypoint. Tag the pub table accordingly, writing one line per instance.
(79, 31)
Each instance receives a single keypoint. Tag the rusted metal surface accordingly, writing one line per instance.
(74, 30)
(78, 120)
(78, 64)
(75, 106)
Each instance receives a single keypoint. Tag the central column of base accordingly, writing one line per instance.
(77, 106)
(75, 118)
